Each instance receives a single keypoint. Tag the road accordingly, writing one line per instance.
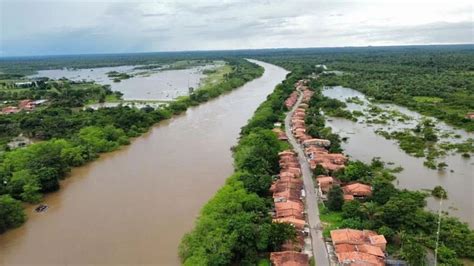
(319, 247)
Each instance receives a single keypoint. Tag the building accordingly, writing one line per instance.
(358, 247)
(26, 105)
(357, 190)
(325, 183)
(10, 110)
(289, 258)
(470, 115)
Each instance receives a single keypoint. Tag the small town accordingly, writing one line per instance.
(215, 133)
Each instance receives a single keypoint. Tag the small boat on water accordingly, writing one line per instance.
(41, 208)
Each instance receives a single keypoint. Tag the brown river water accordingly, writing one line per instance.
(133, 206)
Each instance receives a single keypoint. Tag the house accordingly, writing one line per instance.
(358, 247)
(470, 115)
(357, 190)
(317, 142)
(297, 223)
(10, 110)
(26, 105)
(324, 183)
(289, 258)
(289, 209)
(19, 142)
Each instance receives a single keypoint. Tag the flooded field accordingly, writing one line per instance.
(364, 144)
(133, 206)
(143, 85)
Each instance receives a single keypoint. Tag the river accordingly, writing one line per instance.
(364, 144)
(133, 206)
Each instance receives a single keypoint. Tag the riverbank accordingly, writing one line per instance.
(69, 142)
(137, 202)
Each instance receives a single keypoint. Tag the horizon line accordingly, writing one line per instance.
(234, 50)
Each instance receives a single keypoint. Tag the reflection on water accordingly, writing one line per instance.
(364, 144)
(134, 205)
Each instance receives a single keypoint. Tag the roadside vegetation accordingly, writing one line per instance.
(68, 137)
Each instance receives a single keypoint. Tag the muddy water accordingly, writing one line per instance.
(153, 85)
(134, 205)
(363, 144)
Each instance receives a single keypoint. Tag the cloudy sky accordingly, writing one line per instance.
(45, 27)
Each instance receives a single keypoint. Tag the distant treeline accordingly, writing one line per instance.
(433, 80)
(73, 137)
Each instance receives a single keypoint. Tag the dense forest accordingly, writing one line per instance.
(71, 136)
(433, 80)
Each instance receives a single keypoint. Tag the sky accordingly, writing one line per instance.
(45, 27)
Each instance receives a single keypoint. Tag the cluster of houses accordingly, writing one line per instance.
(288, 194)
(23, 105)
(351, 247)
(359, 247)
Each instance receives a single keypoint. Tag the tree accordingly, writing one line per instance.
(412, 251)
(356, 170)
(335, 198)
(11, 213)
(351, 209)
(382, 191)
(439, 192)
(48, 178)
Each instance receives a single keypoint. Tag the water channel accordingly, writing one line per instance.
(133, 206)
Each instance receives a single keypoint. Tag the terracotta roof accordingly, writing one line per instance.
(297, 223)
(351, 236)
(357, 189)
(348, 197)
(377, 239)
(289, 258)
(359, 258)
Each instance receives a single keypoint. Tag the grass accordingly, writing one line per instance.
(329, 219)
(264, 262)
(215, 77)
(426, 99)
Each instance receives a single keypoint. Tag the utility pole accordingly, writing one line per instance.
(437, 232)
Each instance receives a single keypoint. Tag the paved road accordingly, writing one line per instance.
(319, 247)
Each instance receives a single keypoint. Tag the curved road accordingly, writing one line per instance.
(319, 247)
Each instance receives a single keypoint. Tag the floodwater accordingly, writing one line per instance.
(144, 85)
(134, 205)
(364, 144)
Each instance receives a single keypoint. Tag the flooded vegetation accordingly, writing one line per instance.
(139, 83)
(365, 139)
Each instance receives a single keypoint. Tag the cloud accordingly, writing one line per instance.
(73, 26)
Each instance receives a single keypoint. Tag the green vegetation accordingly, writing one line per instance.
(400, 216)
(11, 213)
(118, 76)
(70, 137)
(234, 227)
(398, 75)
(335, 199)
(423, 141)
(439, 192)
